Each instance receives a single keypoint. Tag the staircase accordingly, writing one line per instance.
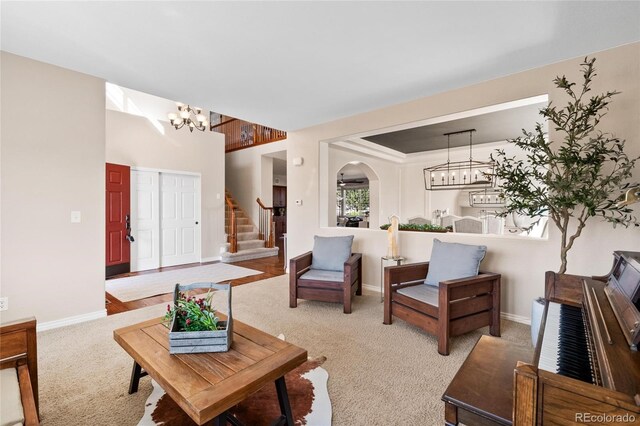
(249, 244)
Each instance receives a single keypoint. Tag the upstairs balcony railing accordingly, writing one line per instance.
(242, 134)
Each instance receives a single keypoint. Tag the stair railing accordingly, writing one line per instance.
(240, 134)
(232, 227)
(265, 224)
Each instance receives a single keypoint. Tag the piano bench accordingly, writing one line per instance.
(489, 367)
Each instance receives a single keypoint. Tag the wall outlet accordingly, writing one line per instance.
(4, 303)
(76, 217)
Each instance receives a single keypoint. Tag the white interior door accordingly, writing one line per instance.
(145, 220)
(180, 219)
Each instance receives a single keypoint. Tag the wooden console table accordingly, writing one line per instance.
(481, 393)
(206, 385)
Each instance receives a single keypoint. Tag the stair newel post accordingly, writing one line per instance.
(272, 225)
(232, 236)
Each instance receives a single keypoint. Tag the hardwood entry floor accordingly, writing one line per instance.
(269, 266)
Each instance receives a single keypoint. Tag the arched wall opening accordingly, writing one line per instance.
(357, 196)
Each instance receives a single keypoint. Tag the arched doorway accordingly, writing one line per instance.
(357, 196)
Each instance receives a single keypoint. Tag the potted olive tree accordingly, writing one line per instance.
(575, 177)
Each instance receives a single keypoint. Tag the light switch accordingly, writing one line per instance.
(298, 202)
(76, 217)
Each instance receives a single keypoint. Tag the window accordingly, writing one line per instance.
(352, 202)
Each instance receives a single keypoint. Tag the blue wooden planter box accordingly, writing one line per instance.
(189, 342)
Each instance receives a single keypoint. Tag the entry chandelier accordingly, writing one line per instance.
(460, 174)
(190, 117)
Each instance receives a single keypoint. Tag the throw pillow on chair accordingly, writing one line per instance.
(328, 273)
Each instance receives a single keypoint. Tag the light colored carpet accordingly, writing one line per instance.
(147, 285)
(378, 374)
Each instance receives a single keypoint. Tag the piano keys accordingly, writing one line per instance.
(586, 358)
(565, 347)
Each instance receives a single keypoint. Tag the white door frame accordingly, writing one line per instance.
(170, 171)
(199, 192)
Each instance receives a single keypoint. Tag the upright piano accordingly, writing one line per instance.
(586, 366)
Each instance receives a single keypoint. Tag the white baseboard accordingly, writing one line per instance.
(71, 320)
(505, 315)
(209, 259)
(371, 287)
(516, 318)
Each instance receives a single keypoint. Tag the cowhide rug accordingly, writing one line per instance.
(308, 395)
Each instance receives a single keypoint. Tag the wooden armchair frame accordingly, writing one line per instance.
(19, 350)
(325, 291)
(463, 305)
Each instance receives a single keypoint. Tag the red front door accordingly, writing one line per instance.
(118, 219)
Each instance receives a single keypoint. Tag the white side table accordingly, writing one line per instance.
(398, 261)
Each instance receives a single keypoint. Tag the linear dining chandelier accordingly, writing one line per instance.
(188, 116)
(460, 174)
(487, 198)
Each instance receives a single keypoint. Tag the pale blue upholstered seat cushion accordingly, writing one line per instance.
(330, 253)
(322, 275)
(424, 293)
(450, 261)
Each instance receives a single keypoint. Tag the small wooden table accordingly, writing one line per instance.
(482, 390)
(206, 385)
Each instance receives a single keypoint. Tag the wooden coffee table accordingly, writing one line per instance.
(206, 385)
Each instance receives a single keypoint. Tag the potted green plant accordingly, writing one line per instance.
(193, 323)
(570, 179)
(416, 227)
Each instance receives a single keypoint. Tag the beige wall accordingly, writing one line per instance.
(52, 162)
(132, 140)
(521, 261)
(249, 175)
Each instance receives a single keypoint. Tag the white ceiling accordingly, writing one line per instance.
(295, 64)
